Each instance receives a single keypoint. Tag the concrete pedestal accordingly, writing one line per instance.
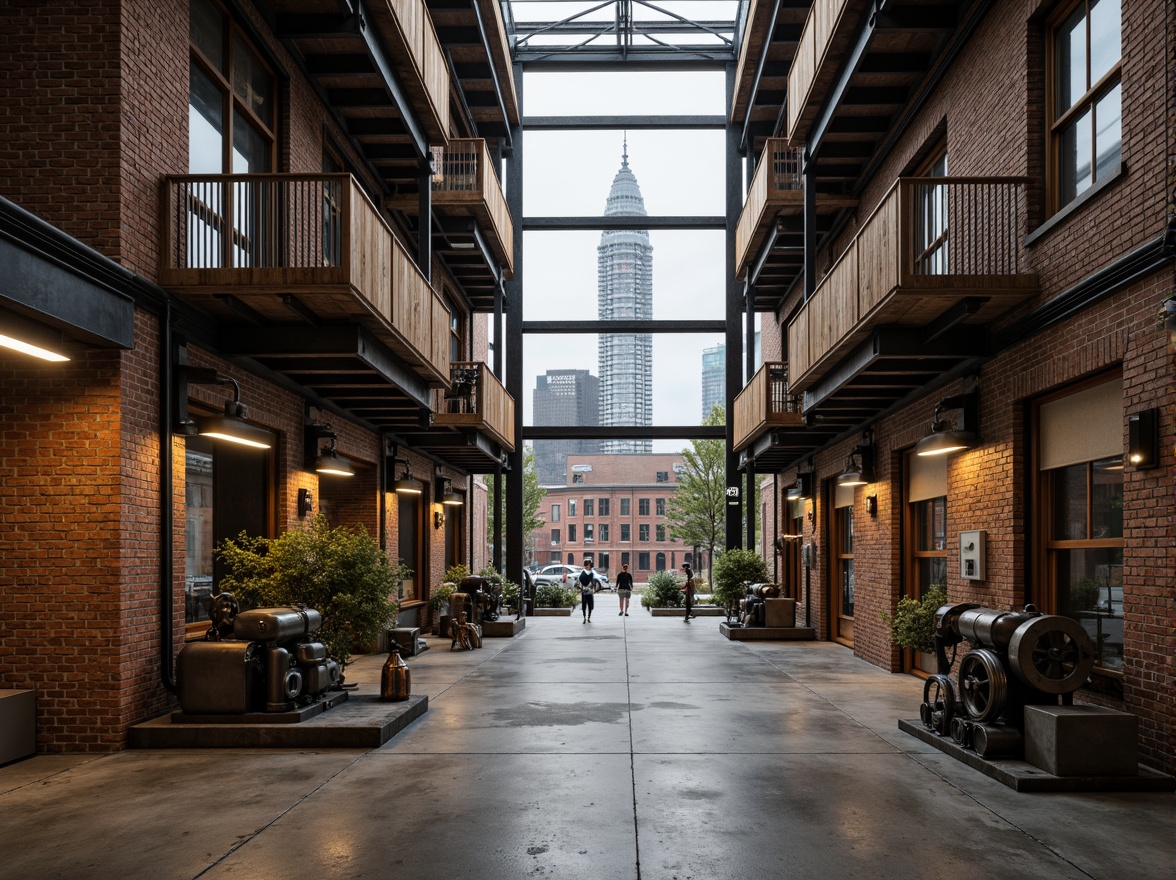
(503, 628)
(1081, 740)
(767, 633)
(408, 638)
(780, 613)
(18, 724)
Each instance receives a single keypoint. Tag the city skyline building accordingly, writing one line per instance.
(625, 292)
(564, 397)
(714, 377)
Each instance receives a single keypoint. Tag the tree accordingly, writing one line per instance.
(734, 570)
(532, 496)
(696, 513)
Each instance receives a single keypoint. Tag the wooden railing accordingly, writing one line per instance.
(412, 19)
(466, 178)
(930, 242)
(317, 236)
(777, 182)
(476, 399)
(764, 403)
(812, 55)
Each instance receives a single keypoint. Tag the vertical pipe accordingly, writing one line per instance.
(425, 220)
(514, 354)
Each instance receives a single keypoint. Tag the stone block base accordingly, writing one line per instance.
(1081, 740)
(767, 633)
(780, 613)
(18, 724)
(503, 628)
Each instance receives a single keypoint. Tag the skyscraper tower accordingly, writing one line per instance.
(624, 261)
(714, 377)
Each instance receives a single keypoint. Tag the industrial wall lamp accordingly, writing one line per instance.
(859, 465)
(1143, 439)
(31, 338)
(327, 458)
(445, 493)
(948, 435)
(229, 425)
(802, 488)
(407, 484)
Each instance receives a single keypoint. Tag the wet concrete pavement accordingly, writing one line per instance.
(631, 747)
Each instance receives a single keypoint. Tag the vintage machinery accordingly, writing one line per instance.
(751, 607)
(483, 601)
(1017, 659)
(255, 661)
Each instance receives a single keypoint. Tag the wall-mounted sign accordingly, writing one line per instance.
(733, 496)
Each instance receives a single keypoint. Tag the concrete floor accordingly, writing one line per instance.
(633, 747)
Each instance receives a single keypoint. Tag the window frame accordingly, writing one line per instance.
(1057, 124)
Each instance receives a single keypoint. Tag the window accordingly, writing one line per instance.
(663, 476)
(572, 507)
(228, 490)
(603, 531)
(625, 505)
(660, 507)
(643, 507)
(456, 336)
(929, 552)
(931, 230)
(625, 558)
(643, 532)
(589, 504)
(842, 587)
(602, 506)
(660, 562)
(555, 513)
(603, 561)
(577, 478)
(661, 533)
(643, 562)
(555, 537)
(571, 532)
(411, 536)
(1080, 462)
(625, 532)
(589, 534)
(1086, 118)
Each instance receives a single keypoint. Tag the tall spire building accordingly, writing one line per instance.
(624, 261)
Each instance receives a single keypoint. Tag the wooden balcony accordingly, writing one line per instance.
(776, 188)
(828, 30)
(293, 248)
(776, 191)
(476, 400)
(935, 252)
(466, 185)
(334, 46)
(766, 402)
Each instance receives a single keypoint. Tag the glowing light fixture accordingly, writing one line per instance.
(328, 460)
(407, 484)
(947, 435)
(229, 425)
(859, 465)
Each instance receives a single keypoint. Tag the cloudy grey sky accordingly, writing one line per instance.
(570, 174)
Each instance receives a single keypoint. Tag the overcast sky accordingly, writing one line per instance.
(570, 173)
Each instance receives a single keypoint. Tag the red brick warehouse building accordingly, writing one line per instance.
(964, 223)
(613, 511)
(275, 204)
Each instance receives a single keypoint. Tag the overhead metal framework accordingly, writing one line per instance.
(561, 32)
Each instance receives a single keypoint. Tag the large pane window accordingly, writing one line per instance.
(1085, 552)
(410, 535)
(1086, 124)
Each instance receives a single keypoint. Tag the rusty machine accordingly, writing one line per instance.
(1017, 659)
(752, 608)
(262, 660)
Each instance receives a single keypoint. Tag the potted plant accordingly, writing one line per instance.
(913, 623)
(733, 571)
(342, 573)
(662, 591)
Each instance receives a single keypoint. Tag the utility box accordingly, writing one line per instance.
(972, 555)
(18, 724)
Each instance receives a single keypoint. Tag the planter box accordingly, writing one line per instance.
(553, 612)
(699, 611)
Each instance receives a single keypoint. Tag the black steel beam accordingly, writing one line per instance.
(630, 123)
(624, 432)
(622, 222)
(580, 327)
(381, 59)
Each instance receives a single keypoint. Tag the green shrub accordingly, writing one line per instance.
(342, 573)
(440, 595)
(556, 596)
(913, 623)
(733, 571)
(662, 591)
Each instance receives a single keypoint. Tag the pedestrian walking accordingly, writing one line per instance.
(688, 589)
(587, 586)
(624, 588)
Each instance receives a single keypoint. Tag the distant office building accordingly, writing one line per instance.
(564, 397)
(714, 377)
(625, 292)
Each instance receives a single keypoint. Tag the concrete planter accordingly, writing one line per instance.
(699, 611)
(553, 612)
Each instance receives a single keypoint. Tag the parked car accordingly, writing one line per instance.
(556, 571)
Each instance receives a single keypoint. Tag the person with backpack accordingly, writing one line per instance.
(587, 590)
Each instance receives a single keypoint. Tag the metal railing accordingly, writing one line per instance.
(765, 402)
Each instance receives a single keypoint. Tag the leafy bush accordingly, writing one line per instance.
(733, 571)
(439, 597)
(342, 573)
(913, 623)
(556, 596)
(662, 591)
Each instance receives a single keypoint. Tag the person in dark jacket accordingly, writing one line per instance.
(624, 588)
(587, 587)
(688, 589)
